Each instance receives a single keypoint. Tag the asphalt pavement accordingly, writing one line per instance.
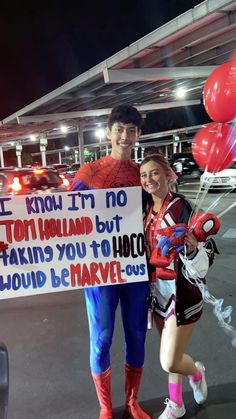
(48, 345)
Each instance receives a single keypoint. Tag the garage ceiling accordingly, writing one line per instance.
(145, 74)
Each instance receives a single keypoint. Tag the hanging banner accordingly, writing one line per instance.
(71, 240)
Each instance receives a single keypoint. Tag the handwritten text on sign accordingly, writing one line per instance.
(71, 240)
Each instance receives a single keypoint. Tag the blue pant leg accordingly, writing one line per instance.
(134, 309)
(101, 304)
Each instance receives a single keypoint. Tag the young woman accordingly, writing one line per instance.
(176, 303)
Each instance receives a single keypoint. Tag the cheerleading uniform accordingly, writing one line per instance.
(101, 302)
(179, 296)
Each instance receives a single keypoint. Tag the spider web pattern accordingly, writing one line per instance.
(107, 173)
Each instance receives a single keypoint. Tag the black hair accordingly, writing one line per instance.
(126, 114)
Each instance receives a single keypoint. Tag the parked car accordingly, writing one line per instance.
(60, 167)
(223, 180)
(70, 173)
(31, 180)
(3, 183)
(184, 165)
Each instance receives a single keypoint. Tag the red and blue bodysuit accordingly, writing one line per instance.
(101, 302)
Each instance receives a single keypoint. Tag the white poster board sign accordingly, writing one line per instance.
(71, 240)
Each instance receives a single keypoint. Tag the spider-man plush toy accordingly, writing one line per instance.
(170, 241)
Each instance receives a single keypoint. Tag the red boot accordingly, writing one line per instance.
(132, 382)
(103, 388)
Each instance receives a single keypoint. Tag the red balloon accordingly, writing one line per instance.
(214, 146)
(219, 93)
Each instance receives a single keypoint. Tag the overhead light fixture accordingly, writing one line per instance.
(63, 129)
(66, 148)
(180, 92)
(100, 133)
(33, 137)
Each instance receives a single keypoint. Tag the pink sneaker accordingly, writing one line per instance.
(199, 387)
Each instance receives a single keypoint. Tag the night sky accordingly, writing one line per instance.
(46, 44)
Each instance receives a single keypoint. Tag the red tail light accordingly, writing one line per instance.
(39, 171)
(64, 180)
(16, 185)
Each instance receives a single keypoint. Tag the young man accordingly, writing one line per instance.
(114, 171)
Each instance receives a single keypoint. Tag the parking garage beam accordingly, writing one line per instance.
(1, 157)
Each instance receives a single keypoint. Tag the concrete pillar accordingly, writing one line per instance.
(18, 154)
(43, 145)
(43, 155)
(76, 156)
(81, 144)
(166, 152)
(1, 157)
(175, 143)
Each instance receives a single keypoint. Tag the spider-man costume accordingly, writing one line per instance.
(101, 302)
(107, 173)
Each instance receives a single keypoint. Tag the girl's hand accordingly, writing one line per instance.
(191, 242)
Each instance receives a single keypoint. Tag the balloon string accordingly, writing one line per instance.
(223, 315)
(226, 210)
